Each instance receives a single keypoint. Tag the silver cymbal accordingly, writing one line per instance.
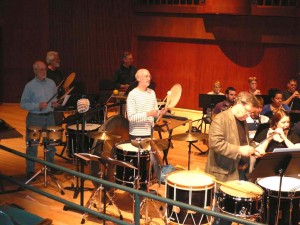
(103, 135)
(189, 137)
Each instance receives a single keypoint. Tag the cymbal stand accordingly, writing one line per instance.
(190, 151)
(45, 170)
(137, 178)
(146, 201)
(97, 194)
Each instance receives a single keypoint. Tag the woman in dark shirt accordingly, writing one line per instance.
(279, 135)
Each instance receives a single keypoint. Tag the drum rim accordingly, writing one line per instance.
(253, 195)
(34, 128)
(185, 187)
(129, 142)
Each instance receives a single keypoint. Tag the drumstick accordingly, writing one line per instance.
(226, 185)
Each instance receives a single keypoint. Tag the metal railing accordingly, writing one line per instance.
(136, 193)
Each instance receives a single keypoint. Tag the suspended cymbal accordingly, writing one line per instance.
(68, 81)
(103, 135)
(105, 160)
(195, 136)
(144, 143)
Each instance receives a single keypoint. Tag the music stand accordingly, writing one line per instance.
(277, 163)
(208, 101)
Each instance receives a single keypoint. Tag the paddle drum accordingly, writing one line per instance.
(191, 187)
(240, 198)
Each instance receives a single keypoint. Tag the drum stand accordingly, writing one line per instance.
(97, 195)
(46, 170)
(145, 202)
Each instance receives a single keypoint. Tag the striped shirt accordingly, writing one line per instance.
(138, 104)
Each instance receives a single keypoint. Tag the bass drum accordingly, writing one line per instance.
(116, 125)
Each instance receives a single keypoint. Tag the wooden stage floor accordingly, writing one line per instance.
(14, 166)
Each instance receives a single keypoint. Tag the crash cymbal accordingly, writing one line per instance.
(195, 136)
(103, 135)
(68, 81)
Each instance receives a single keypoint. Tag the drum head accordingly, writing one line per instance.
(190, 179)
(242, 189)
(288, 183)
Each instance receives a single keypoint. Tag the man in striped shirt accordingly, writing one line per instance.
(142, 107)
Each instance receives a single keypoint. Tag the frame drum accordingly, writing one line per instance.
(240, 198)
(191, 187)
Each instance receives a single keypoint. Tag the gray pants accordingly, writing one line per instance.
(32, 147)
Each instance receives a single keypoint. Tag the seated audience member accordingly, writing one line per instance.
(252, 82)
(275, 96)
(291, 93)
(216, 89)
(255, 118)
(230, 95)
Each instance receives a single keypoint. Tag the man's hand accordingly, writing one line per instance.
(43, 105)
(152, 113)
(246, 150)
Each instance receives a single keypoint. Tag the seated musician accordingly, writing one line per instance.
(279, 135)
(216, 89)
(252, 82)
(230, 95)
(255, 118)
(275, 96)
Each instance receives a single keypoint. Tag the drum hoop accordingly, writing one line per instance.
(185, 187)
(252, 195)
(128, 142)
(34, 128)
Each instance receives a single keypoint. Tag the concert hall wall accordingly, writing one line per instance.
(190, 45)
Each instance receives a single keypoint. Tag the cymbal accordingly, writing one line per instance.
(195, 136)
(144, 143)
(106, 159)
(103, 135)
(68, 81)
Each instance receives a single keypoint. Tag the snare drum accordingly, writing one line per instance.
(72, 137)
(193, 188)
(34, 133)
(240, 198)
(126, 152)
(54, 134)
(289, 202)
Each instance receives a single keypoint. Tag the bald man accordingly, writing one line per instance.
(142, 107)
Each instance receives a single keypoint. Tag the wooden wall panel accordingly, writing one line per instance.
(25, 39)
(197, 65)
(90, 37)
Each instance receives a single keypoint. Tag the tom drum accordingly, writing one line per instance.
(240, 198)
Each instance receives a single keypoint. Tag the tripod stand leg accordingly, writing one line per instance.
(114, 204)
(91, 202)
(54, 179)
(34, 176)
